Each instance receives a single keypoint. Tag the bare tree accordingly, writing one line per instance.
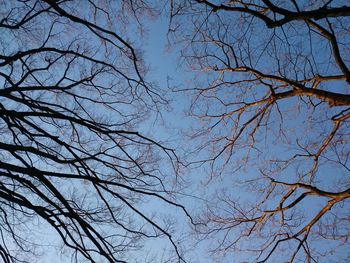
(71, 160)
(272, 93)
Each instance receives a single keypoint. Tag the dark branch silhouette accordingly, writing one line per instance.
(73, 92)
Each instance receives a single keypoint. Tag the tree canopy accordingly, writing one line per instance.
(265, 173)
(73, 93)
(272, 93)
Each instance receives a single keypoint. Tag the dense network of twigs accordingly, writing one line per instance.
(71, 162)
(272, 90)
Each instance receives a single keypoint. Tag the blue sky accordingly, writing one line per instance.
(167, 70)
(166, 63)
